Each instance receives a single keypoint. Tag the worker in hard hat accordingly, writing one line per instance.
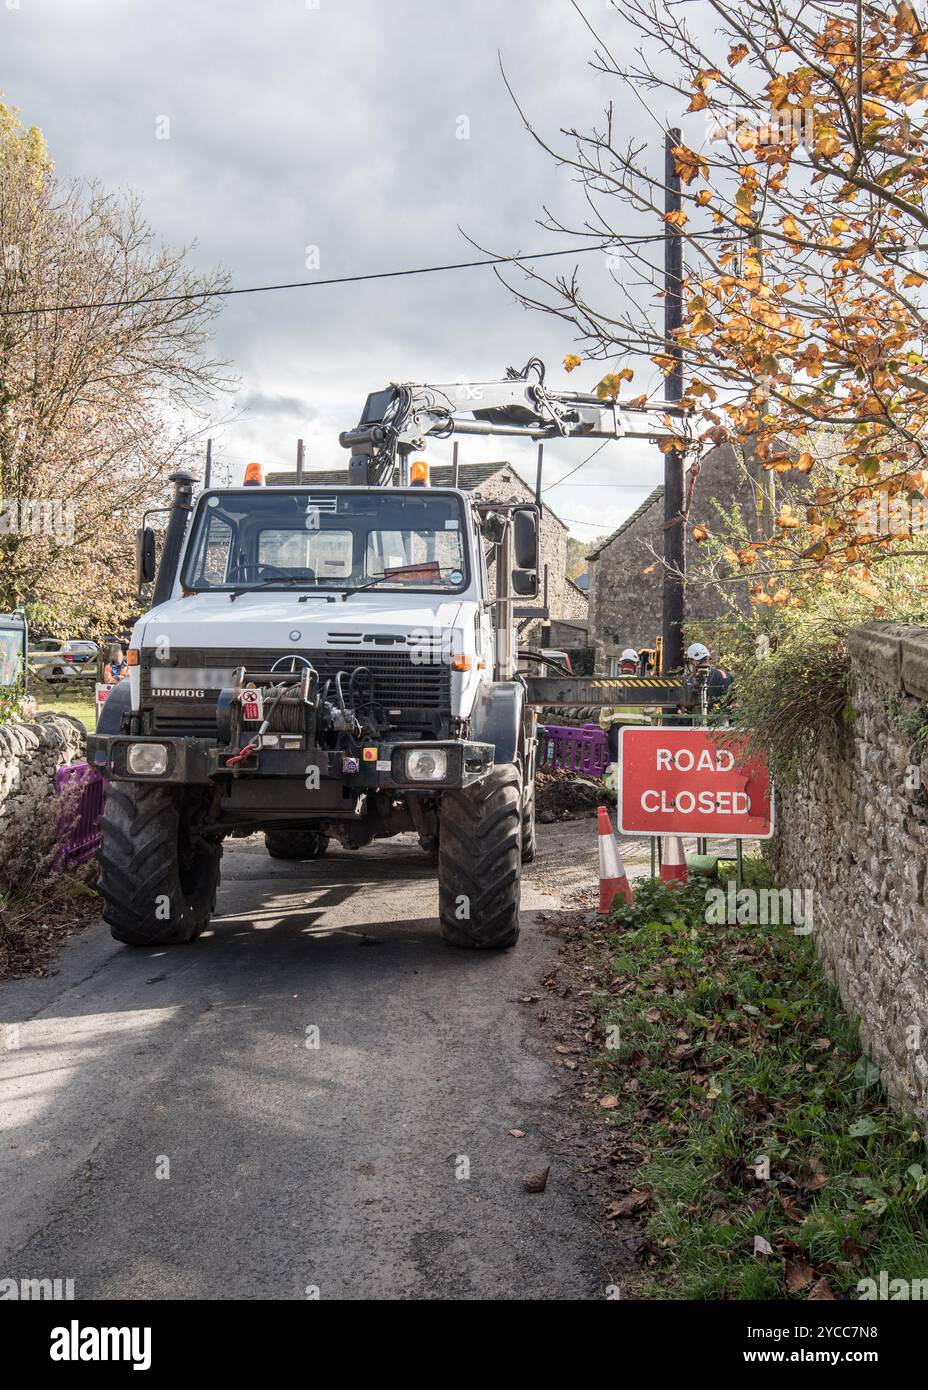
(697, 656)
(715, 680)
(612, 719)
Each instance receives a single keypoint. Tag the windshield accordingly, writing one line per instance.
(11, 655)
(275, 538)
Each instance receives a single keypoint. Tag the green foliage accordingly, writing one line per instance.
(911, 719)
(11, 699)
(577, 551)
(656, 904)
(735, 1047)
(792, 702)
(788, 645)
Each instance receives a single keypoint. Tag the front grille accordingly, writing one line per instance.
(204, 726)
(416, 694)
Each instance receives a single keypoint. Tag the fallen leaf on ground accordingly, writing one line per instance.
(820, 1290)
(798, 1275)
(608, 1102)
(762, 1246)
(517, 1133)
(627, 1206)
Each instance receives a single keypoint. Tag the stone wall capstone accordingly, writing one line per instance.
(854, 830)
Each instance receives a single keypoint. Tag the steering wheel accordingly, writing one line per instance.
(264, 571)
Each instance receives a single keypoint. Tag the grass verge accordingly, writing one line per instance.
(773, 1166)
(34, 923)
(74, 698)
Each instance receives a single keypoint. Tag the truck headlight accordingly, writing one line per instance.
(147, 759)
(427, 764)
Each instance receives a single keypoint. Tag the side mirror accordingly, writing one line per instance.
(525, 538)
(145, 562)
(525, 583)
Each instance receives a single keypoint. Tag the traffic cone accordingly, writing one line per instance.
(613, 880)
(673, 861)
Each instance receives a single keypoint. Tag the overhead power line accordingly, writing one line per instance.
(307, 284)
(564, 476)
(334, 280)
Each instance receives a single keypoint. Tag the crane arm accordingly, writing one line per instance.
(405, 414)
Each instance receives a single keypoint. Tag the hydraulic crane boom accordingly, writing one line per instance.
(401, 417)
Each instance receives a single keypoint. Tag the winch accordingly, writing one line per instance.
(293, 709)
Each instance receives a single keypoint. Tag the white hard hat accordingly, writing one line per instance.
(629, 654)
(697, 652)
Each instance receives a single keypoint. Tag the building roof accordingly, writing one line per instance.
(574, 585)
(471, 477)
(582, 582)
(648, 502)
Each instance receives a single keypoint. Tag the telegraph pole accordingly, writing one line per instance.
(763, 481)
(674, 525)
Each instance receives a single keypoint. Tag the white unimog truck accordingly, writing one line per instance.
(330, 662)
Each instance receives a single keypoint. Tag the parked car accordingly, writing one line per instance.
(53, 659)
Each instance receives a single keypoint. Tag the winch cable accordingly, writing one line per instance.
(278, 692)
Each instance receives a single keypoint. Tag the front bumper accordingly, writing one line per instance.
(197, 761)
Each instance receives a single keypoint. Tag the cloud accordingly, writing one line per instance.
(368, 134)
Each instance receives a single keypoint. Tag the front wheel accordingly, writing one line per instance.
(479, 862)
(295, 844)
(158, 877)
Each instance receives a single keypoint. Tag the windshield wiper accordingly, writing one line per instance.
(276, 581)
(400, 572)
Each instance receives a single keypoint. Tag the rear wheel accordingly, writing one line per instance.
(295, 844)
(479, 862)
(158, 877)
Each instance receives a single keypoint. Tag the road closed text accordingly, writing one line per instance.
(684, 781)
(686, 802)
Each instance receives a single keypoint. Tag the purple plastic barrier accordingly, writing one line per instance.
(78, 832)
(578, 750)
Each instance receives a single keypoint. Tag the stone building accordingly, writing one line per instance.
(497, 482)
(626, 576)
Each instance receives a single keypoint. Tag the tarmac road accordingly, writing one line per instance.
(168, 1134)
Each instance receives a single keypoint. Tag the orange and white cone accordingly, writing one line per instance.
(673, 861)
(613, 880)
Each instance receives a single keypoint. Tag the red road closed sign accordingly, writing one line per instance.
(677, 781)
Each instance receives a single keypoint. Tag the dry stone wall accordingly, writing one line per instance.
(29, 756)
(855, 832)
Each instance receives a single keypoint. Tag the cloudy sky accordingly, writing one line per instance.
(337, 124)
